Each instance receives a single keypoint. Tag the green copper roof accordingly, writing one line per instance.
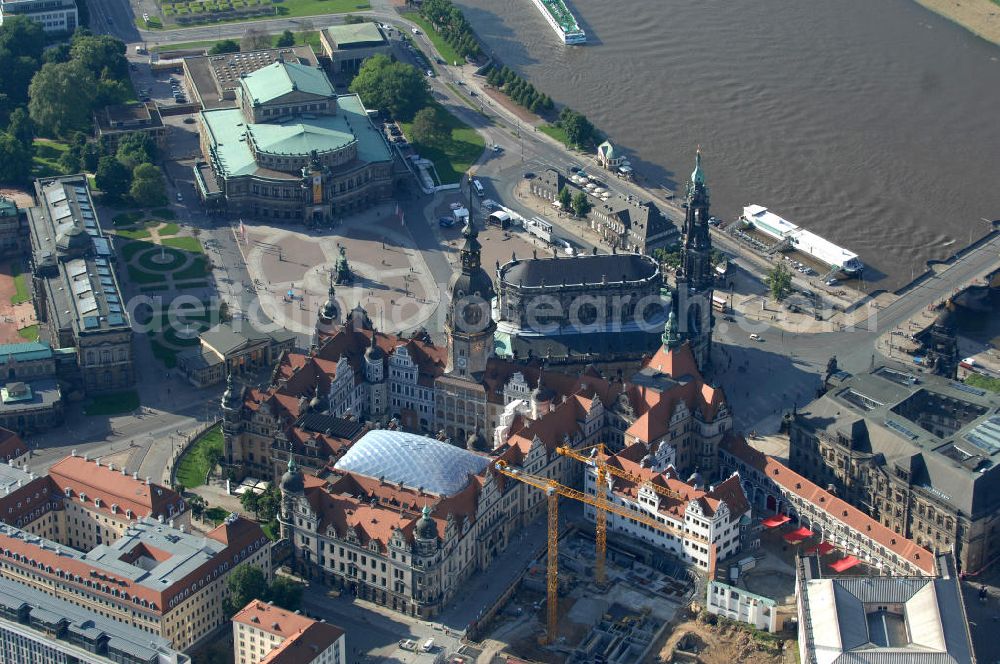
(280, 78)
(356, 35)
(697, 175)
(7, 207)
(299, 137)
(31, 350)
(229, 135)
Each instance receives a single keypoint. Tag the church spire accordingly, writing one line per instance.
(697, 175)
(670, 338)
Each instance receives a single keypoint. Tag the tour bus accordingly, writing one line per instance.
(478, 186)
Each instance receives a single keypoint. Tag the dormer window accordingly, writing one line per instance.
(69, 492)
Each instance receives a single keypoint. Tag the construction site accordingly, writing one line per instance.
(588, 601)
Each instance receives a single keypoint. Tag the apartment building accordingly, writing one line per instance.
(267, 634)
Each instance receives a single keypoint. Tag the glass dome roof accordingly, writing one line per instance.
(416, 461)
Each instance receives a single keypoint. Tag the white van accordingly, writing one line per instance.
(428, 645)
(478, 186)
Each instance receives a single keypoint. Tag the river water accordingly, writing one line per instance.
(872, 122)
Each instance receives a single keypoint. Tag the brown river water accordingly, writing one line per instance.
(874, 123)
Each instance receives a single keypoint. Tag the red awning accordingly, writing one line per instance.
(775, 521)
(845, 563)
(797, 536)
(822, 549)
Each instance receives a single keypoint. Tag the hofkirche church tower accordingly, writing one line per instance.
(469, 325)
(695, 280)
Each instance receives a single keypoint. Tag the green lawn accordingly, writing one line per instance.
(29, 333)
(23, 293)
(192, 467)
(140, 234)
(453, 160)
(301, 38)
(189, 244)
(196, 270)
(984, 382)
(46, 160)
(449, 54)
(143, 277)
(557, 133)
(290, 8)
(114, 403)
(169, 229)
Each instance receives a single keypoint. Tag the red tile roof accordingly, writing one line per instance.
(11, 446)
(112, 487)
(839, 509)
(682, 493)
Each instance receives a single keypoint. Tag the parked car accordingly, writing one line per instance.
(756, 337)
(529, 175)
(188, 120)
(180, 100)
(446, 222)
(179, 196)
(497, 148)
(408, 644)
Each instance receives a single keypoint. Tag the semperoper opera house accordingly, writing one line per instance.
(917, 453)
(292, 149)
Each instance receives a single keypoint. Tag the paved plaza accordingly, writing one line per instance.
(292, 267)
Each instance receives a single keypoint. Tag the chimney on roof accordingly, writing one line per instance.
(147, 481)
(124, 470)
(73, 452)
(86, 457)
(160, 518)
(97, 460)
(111, 466)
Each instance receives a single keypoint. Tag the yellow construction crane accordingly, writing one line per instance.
(552, 491)
(602, 469)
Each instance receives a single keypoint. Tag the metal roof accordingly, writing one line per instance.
(415, 461)
(357, 35)
(280, 78)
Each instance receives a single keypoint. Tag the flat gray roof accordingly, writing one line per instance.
(85, 623)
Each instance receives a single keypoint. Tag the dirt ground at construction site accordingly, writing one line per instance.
(691, 640)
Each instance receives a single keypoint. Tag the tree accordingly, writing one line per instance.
(577, 127)
(255, 39)
(102, 55)
(286, 593)
(214, 457)
(268, 503)
(136, 148)
(148, 188)
(779, 281)
(671, 256)
(111, 91)
(58, 53)
(22, 36)
(69, 161)
(351, 19)
(287, 38)
(245, 584)
(250, 502)
(21, 127)
(197, 505)
(430, 127)
(581, 205)
(62, 98)
(15, 160)
(565, 198)
(113, 177)
(17, 74)
(394, 87)
(224, 46)
(90, 156)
